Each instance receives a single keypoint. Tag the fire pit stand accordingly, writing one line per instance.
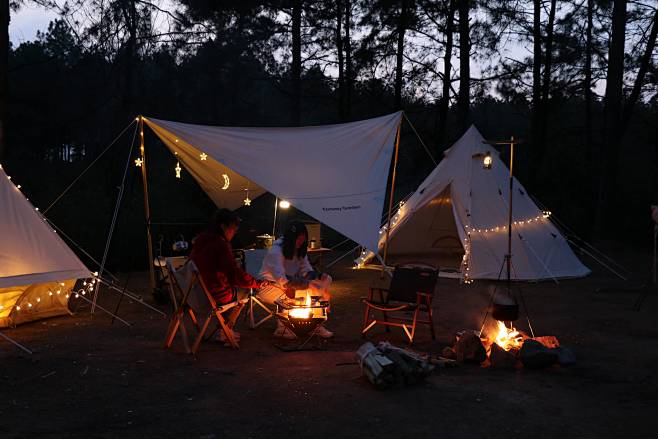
(303, 320)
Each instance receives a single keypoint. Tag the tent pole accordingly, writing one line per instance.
(509, 218)
(147, 210)
(390, 198)
(276, 204)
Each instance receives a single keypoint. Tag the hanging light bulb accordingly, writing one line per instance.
(487, 161)
(283, 204)
(177, 169)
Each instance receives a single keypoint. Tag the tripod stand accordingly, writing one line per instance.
(506, 312)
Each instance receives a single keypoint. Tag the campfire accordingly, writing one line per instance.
(507, 338)
(302, 315)
(504, 346)
(303, 311)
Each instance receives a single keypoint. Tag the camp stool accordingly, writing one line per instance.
(411, 289)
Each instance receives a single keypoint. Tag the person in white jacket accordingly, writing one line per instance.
(287, 267)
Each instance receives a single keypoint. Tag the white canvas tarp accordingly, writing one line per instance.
(335, 173)
(33, 261)
(460, 214)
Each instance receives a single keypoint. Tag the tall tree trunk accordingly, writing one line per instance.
(402, 28)
(612, 115)
(639, 80)
(536, 80)
(587, 86)
(444, 102)
(591, 166)
(4, 71)
(129, 55)
(464, 98)
(348, 60)
(540, 146)
(341, 68)
(296, 68)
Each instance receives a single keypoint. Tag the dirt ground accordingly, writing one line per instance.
(90, 379)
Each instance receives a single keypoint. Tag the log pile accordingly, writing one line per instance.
(386, 365)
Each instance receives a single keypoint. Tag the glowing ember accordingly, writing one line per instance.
(302, 312)
(508, 338)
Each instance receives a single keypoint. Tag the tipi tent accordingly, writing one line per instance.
(37, 269)
(457, 219)
(335, 173)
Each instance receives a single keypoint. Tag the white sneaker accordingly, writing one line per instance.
(283, 332)
(222, 336)
(323, 332)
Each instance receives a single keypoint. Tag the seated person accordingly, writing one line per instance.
(213, 256)
(287, 267)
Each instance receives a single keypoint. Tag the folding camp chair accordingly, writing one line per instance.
(197, 300)
(180, 287)
(166, 266)
(253, 259)
(250, 315)
(411, 289)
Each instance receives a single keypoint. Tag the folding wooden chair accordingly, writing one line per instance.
(197, 300)
(411, 289)
(180, 287)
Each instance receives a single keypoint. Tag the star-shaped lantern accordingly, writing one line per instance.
(203, 156)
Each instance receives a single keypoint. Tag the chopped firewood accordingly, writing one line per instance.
(502, 359)
(469, 348)
(444, 362)
(387, 365)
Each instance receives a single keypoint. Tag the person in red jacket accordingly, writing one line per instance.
(213, 256)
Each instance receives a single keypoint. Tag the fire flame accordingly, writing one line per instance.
(302, 312)
(508, 338)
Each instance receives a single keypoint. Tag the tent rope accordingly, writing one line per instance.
(15, 343)
(564, 228)
(534, 253)
(88, 167)
(427, 150)
(114, 219)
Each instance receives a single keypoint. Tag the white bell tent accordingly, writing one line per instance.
(457, 219)
(37, 269)
(334, 173)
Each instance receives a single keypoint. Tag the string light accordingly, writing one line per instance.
(139, 162)
(466, 261)
(544, 215)
(227, 182)
(247, 201)
(203, 156)
(177, 169)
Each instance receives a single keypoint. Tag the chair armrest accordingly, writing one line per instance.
(386, 307)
